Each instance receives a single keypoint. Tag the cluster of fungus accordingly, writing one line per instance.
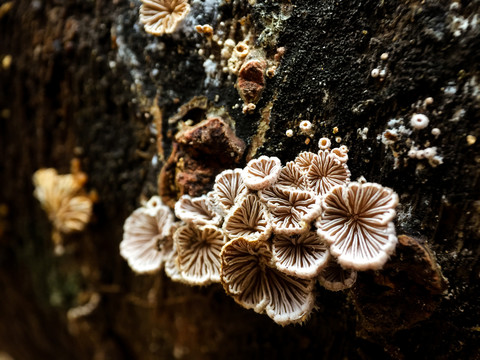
(268, 232)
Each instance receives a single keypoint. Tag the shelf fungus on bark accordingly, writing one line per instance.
(65, 201)
(145, 234)
(335, 278)
(357, 224)
(162, 16)
(325, 172)
(291, 210)
(291, 177)
(262, 172)
(249, 219)
(249, 276)
(196, 211)
(229, 188)
(302, 255)
(198, 251)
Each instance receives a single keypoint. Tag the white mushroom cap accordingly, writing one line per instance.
(199, 253)
(324, 144)
(357, 223)
(248, 276)
(291, 211)
(196, 211)
(229, 188)
(340, 154)
(304, 160)
(303, 255)
(334, 278)
(262, 172)
(248, 219)
(162, 16)
(419, 121)
(143, 235)
(325, 172)
(291, 176)
(64, 200)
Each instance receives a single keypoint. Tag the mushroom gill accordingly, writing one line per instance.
(357, 223)
(249, 277)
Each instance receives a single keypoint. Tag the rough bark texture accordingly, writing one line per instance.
(82, 79)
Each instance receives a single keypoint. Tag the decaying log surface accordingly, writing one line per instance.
(81, 79)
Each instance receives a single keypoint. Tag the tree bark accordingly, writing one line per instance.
(82, 79)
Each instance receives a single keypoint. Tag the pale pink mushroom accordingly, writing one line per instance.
(229, 188)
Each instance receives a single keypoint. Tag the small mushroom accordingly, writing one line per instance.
(196, 211)
(250, 278)
(335, 278)
(302, 255)
(162, 16)
(325, 172)
(144, 234)
(357, 224)
(249, 220)
(229, 188)
(199, 253)
(262, 172)
(291, 176)
(291, 210)
(304, 160)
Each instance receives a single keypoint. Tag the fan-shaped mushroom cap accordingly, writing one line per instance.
(143, 238)
(291, 176)
(304, 160)
(199, 253)
(61, 196)
(334, 278)
(247, 275)
(171, 265)
(249, 220)
(162, 16)
(196, 211)
(302, 255)
(340, 154)
(357, 223)
(262, 172)
(229, 188)
(290, 210)
(325, 172)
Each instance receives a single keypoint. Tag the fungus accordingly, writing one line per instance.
(64, 200)
(419, 121)
(171, 266)
(162, 16)
(229, 188)
(335, 278)
(340, 154)
(291, 177)
(262, 172)
(290, 210)
(325, 143)
(144, 235)
(304, 160)
(199, 253)
(306, 127)
(249, 219)
(357, 224)
(289, 133)
(375, 73)
(325, 172)
(300, 255)
(196, 211)
(249, 277)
